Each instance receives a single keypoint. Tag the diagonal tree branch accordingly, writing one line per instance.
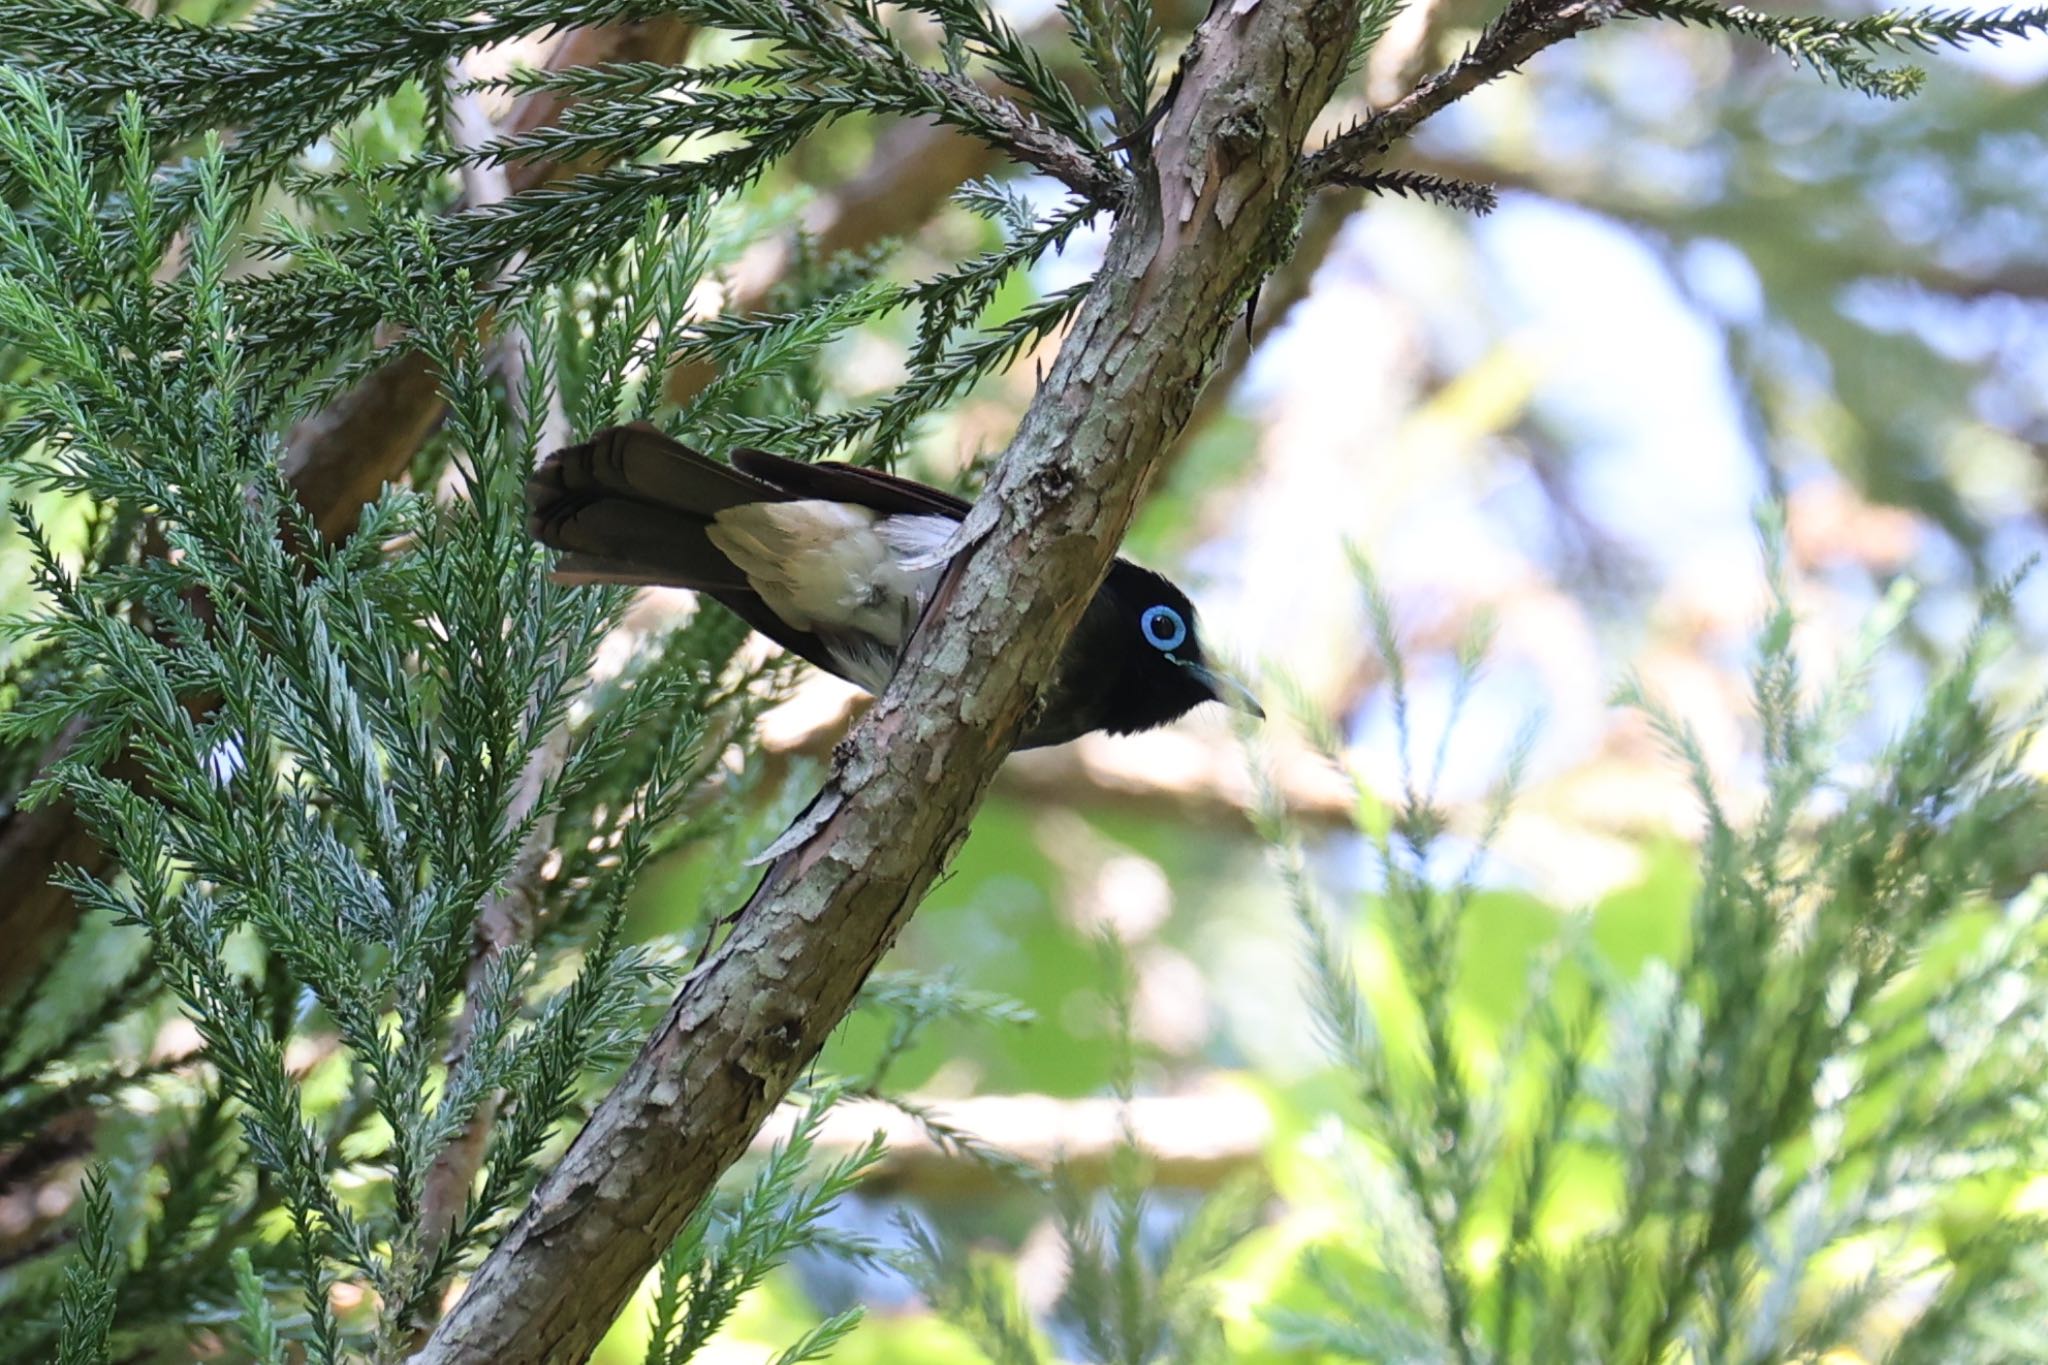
(955, 100)
(1206, 221)
(1032, 143)
(1523, 29)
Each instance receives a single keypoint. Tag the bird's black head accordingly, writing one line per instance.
(1150, 630)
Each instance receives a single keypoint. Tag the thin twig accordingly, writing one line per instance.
(1466, 196)
(992, 117)
(1523, 29)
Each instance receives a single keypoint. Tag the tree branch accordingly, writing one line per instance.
(1032, 143)
(1195, 1140)
(955, 100)
(1195, 237)
(1523, 29)
(914, 169)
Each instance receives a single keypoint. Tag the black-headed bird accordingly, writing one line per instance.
(835, 563)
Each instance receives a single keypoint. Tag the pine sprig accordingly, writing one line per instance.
(263, 75)
(92, 1280)
(1119, 41)
(974, 1292)
(747, 351)
(1895, 30)
(849, 42)
(720, 1257)
(832, 61)
(1835, 47)
(1518, 33)
(881, 426)
(294, 737)
(982, 33)
(257, 1324)
(1125, 1297)
(1465, 196)
(1832, 47)
(1803, 1075)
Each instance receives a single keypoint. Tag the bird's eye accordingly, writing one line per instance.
(1163, 628)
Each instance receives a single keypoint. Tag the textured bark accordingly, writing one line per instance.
(1201, 228)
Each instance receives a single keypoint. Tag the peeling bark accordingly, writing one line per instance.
(1208, 219)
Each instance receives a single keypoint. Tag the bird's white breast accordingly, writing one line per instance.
(837, 570)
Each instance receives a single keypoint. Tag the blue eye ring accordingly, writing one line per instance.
(1163, 627)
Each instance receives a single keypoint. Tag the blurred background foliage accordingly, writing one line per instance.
(1711, 284)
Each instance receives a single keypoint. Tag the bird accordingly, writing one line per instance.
(835, 562)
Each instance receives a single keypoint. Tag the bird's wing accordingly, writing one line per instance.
(809, 555)
(865, 631)
(838, 482)
(632, 506)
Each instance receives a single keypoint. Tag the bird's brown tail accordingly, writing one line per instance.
(632, 506)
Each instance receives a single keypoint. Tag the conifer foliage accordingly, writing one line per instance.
(1768, 1135)
(350, 804)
